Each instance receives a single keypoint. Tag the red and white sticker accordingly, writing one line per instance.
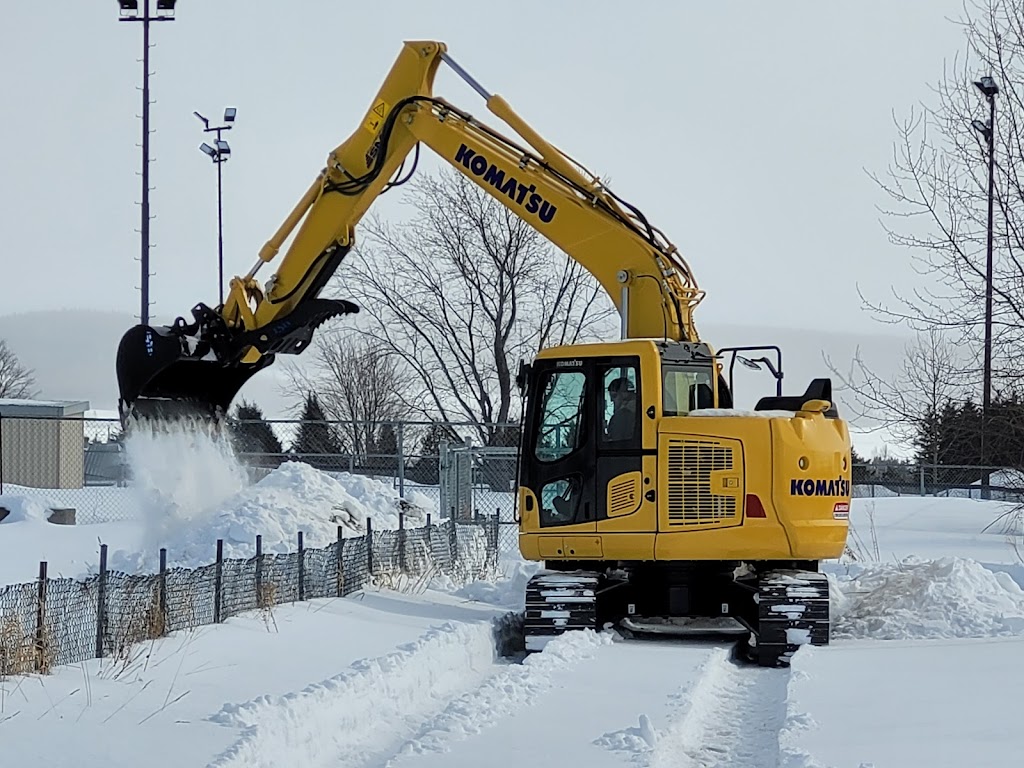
(841, 511)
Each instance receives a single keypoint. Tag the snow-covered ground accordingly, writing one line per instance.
(923, 668)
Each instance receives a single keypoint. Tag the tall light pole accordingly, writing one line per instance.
(219, 153)
(989, 88)
(129, 11)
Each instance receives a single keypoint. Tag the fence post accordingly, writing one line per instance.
(401, 542)
(369, 548)
(40, 655)
(453, 540)
(101, 602)
(259, 570)
(217, 580)
(163, 589)
(302, 570)
(921, 473)
(401, 460)
(497, 532)
(341, 564)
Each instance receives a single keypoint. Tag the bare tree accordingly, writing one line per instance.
(938, 181)
(461, 292)
(934, 373)
(358, 383)
(16, 381)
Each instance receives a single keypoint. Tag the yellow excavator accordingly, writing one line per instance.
(653, 503)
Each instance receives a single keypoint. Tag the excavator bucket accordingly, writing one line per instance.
(192, 371)
(162, 381)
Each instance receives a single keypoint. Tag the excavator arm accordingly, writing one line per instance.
(199, 367)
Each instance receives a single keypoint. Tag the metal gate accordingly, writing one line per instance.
(479, 483)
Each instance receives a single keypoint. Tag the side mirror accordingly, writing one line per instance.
(523, 377)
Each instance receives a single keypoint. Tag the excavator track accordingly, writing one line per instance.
(558, 602)
(793, 610)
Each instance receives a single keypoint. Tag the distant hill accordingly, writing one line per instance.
(72, 354)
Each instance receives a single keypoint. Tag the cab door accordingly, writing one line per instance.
(618, 470)
(559, 447)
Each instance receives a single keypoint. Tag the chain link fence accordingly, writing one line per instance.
(64, 621)
(940, 480)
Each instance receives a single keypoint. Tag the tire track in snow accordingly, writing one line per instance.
(367, 710)
(446, 686)
(514, 687)
(733, 718)
(731, 715)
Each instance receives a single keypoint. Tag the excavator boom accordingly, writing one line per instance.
(199, 366)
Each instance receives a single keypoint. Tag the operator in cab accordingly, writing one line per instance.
(622, 395)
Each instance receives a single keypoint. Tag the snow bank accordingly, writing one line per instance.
(294, 497)
(193, 490)
(24, 509)
(509, 591)
(951, 597)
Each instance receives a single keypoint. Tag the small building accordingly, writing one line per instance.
(41, 443)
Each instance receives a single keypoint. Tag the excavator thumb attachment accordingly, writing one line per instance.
(194, 371)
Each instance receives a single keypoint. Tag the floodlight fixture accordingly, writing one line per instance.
(208, 150)
(751, 364)
(167, 6)
(982, 128)
(130, 6)
(229, 115)
(223, 148)
(205, 121)
(987, 86)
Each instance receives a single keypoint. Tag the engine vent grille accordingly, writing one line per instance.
(624, 495)
(690, 499)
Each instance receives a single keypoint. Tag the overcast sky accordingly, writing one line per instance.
(742, 129)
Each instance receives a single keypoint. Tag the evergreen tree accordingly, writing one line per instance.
(316, 440)
(427, 468)
(385, 449)
(252, 434)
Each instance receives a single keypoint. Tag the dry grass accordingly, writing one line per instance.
(856, 548)
(266, 599)
(17, 648)
(43, 650)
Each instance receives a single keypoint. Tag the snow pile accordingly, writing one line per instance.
(509, 591)
(193, 490)
(945, 598)
(180, 476)
(294, 497)
(24, 508)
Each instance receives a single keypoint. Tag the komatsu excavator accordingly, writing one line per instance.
(652, 502)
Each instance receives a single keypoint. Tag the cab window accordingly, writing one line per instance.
(561, 415)
(621, 405)
(685, 390)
